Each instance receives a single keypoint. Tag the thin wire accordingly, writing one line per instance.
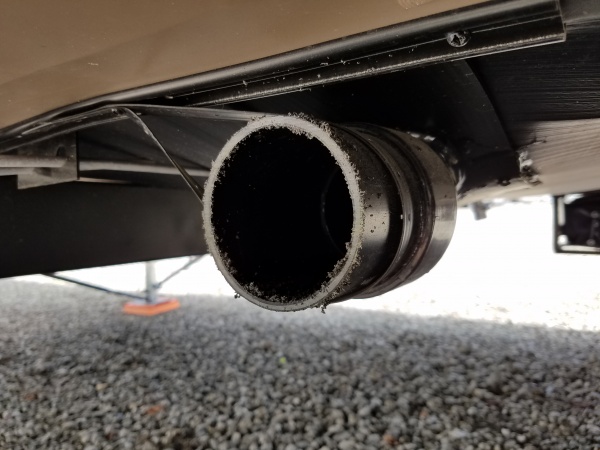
(193, 260)
(194, 186)
(93, 286)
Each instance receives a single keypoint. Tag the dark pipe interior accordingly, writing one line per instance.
(282, 214)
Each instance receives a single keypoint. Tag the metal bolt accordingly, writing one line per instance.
(458, 38)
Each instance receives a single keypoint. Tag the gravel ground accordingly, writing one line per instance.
(220, 373)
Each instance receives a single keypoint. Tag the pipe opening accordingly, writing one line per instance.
(281, 214)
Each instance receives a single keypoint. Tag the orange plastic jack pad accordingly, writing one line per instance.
(142, 308)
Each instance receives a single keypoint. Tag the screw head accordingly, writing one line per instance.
(458, 38)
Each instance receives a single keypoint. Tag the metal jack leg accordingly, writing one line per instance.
(151, 284)
(151, 303)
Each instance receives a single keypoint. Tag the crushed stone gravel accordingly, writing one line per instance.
(220, 373)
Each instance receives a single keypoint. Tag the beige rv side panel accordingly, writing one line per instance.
(59, 52)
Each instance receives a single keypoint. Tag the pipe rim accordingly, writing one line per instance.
(324, 135)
